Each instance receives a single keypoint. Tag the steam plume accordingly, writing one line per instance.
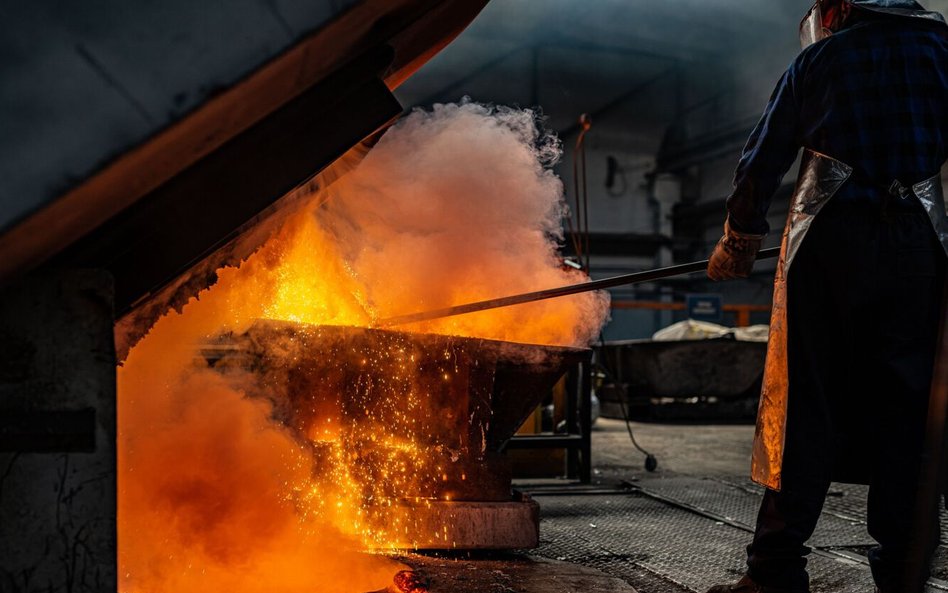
(457, 205)
(453, 205)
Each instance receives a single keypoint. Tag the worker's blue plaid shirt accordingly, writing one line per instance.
(874, 96)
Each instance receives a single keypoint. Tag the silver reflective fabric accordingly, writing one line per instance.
(820, 178)
(932, 196)
(811, 28)
(903, 8)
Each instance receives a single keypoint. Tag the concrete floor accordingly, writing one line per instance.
(692, 449)
(677, 530)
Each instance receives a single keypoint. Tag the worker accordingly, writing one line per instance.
(858, 287)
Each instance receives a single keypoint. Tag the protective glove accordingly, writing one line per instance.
(734, 255)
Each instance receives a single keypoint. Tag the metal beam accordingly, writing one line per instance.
(174, 226)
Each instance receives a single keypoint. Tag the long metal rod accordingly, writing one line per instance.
(552, 293)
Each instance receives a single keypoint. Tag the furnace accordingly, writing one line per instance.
(409, 427)
(156, 190)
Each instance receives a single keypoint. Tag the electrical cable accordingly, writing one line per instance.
(579, 184)
(573, 237)
(577, 211)
(651, 461)
(574, 232)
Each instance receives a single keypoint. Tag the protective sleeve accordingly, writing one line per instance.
(768, 154)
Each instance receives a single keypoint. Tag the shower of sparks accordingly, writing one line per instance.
(364, 409)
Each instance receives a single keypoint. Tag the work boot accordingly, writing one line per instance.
(747, 585)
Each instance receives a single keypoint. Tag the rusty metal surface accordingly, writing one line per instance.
(687, 368)
(511, 377)
(457, 399)
(820, 178)
(461, 525)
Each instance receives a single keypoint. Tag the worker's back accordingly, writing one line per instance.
(875, 96)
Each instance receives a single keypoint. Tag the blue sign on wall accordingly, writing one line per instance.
(705, 307)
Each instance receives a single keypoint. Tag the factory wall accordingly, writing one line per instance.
(57, 433)
(705, 100)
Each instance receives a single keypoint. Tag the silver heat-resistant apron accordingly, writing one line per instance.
(820, 178)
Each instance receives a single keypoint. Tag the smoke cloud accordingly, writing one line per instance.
(458, 205)
(453, 205)
(213, 494)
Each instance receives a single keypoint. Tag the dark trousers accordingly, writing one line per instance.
(864, 300)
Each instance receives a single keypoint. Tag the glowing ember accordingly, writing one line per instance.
(215, 495)
(406, 581)
(409, 581)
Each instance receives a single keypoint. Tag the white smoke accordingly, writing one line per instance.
(459, 204)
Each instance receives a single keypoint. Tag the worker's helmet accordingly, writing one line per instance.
(829, 16)
(823, 19)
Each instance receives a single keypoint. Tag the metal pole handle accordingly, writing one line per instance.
(552, 293)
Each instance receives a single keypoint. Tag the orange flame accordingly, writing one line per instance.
(450, 207)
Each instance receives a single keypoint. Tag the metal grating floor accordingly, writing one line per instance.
(847, 501)
(679, 534)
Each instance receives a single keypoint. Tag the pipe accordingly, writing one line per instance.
(552, 293)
